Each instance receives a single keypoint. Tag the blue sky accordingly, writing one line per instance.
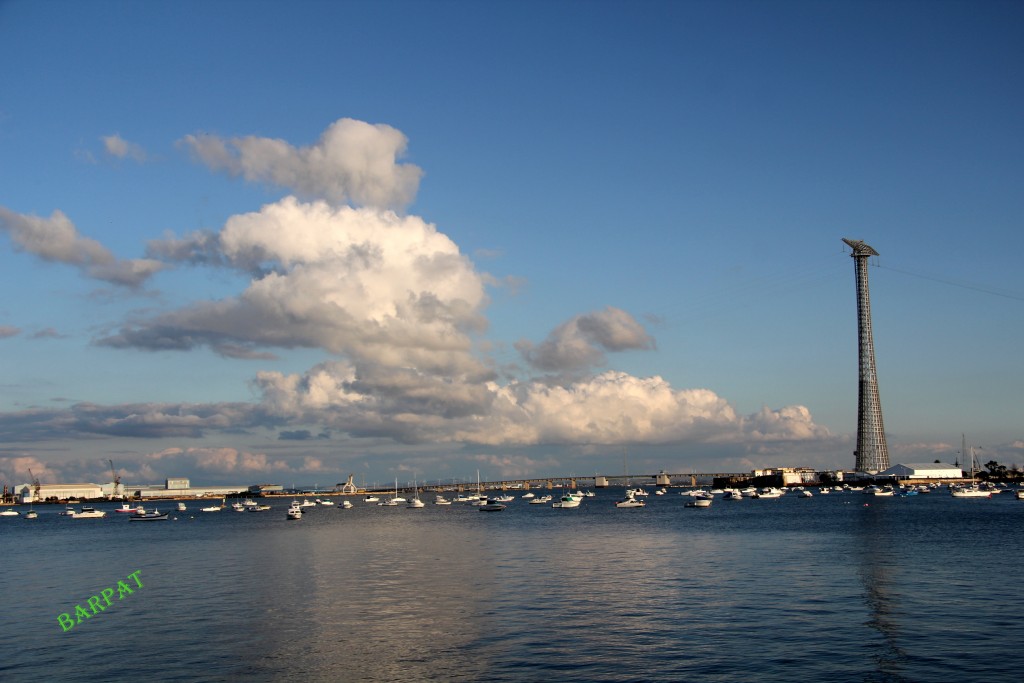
(290, 241)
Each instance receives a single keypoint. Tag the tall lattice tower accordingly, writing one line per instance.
(872, 452)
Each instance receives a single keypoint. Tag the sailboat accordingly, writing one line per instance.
(415, 501)
(971, 491)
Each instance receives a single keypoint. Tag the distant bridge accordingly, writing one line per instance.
(572, 482)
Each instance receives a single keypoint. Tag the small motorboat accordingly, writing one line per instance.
(87, 513)
(328, 503)
(154, 516)
(371, 499)
(295, 512)
(31, 514)
(306, 503)
(698, 502)
(346, 504)
(491, 505)
(415, 503)
(441, 500)
(630, 502)
(181, 507)
(213, 508)
(9, 512)
(541, 500)
(567, 501)
(238, 507)
(528, 495)
(129, 508)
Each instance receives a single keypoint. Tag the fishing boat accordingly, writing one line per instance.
(213, 508)
(541, 500)
(128, 507)
(154, 516)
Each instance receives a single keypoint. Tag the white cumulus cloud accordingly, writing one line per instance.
(353, 162)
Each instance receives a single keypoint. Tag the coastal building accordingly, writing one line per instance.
(28, 493)
(931, 470)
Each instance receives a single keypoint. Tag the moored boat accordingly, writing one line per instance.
(87, 513)
(491, 505)
(295, 511)
(154, 516)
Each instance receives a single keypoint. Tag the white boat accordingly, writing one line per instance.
(213, 508)
(971, 491)
(415, 501)
(306, 503)
(770, 492)
(9, 512)
(346, 504)
(328, 503)
(504, 499)
(630, 502)
(1020, 494)
(181, 507)
(87, 513)
(567, 501)
(441, 500)
(237, 507)
(698, 502)
(804, 494)
(371, 499)
(294, 511)
(31, 514)
(734, 495)
(541, 501)
(528, 495)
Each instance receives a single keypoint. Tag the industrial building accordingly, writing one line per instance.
(932, 470)
(30, 493)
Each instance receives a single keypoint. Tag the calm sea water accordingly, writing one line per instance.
(827, 588)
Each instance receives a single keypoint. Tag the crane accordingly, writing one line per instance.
(117, 479)
(36, 486)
